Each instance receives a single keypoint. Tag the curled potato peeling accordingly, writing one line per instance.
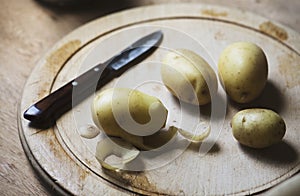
(198, 135)
(188, 77)
(117, 147)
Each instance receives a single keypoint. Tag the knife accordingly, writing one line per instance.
(45, 112)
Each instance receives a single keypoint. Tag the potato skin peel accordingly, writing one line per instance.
(258, 128)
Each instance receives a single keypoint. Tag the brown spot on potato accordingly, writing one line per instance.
(243, 119)
(273, 30)
(211, 12)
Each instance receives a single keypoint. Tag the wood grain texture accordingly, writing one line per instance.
(28, 30)
(62, 153)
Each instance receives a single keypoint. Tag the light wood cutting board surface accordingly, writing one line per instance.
(67, 160)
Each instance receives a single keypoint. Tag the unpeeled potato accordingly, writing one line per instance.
(188, 76)
(243, 70)
(258, 128)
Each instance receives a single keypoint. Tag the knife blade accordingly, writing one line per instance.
(44, 113)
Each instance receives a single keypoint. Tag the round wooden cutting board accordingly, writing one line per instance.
(217, 166)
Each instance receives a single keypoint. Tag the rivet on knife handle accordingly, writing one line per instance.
(45, 112)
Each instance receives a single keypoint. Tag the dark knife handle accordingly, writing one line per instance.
(45, 112)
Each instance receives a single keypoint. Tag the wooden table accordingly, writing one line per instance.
(29, 30)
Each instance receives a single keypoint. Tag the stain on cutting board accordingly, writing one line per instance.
(137, 180)
(213, 13)
(55, 62)
(220, 36)
(289, 68)
(273, 30)
(62, 54)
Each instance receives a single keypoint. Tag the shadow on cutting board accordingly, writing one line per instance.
(271, 98)
(278, 154)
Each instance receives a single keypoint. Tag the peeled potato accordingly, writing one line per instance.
(243, 70)
(129, 114)
(258, 128)
(188, 77)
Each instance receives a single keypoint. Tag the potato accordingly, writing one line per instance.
(129, 114)
(258, 128)
(243, 70)
(188, 77)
